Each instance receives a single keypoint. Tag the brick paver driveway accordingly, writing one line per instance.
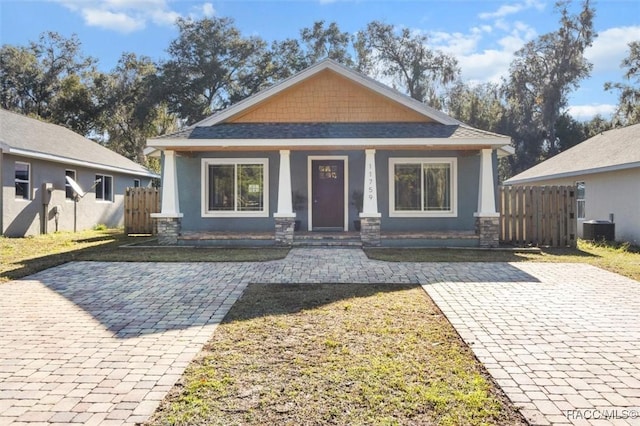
(102, 343)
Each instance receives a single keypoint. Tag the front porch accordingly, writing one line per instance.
(331, 239)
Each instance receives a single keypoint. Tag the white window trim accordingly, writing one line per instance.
(66, 184)
(28, 181)
(453, 163)
(113, 190)
(204, 198)
(345, 160)
(139, 183)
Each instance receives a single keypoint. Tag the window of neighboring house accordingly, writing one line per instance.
(23, 181)
(580, 199)
(236, 187)
(104, 188)
(136, 183)
(68, 190)
(422, 187)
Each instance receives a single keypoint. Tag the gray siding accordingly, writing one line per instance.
(24, 217)
(190, 190)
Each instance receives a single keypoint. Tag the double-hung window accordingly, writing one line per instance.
(422, 187)
(23, 181)
(235, 187)
(104, 188)
(580, 199)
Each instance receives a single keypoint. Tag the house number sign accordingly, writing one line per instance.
(370, 186)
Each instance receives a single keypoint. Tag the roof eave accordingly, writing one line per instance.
(319, 142)
(83, 163)
(517, 181)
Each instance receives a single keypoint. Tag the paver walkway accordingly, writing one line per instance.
(102, 343)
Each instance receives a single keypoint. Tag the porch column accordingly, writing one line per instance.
(285, 216)
(169, 219)
(370, 217)
(487, 218)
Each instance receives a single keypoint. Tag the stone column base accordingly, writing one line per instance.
(168, 230)
(284, 230)
(488, 229)
(370, 231)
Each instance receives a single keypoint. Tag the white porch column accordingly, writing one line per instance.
(370, 217)
(370, 196)
(486, 193)
(170, 202)
(169, 220)
(285, 216)
(285, 205)
(487, 219)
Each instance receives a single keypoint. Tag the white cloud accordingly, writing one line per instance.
(130, 15)
(112, 21)
(208, 10)
(513, 8)
(587, 112)
(610, 47)
(491, 63)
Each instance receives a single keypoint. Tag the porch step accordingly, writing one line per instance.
(327, 239)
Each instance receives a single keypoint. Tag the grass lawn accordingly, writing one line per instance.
(335, 354)
(619, 258)
(20, 257)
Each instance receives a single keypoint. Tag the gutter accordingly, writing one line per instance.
(82, 163)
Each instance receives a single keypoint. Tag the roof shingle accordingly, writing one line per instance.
(611, 149)
(373, 130)
(28, 134)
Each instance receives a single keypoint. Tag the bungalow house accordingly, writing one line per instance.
(35, 160)
(324, 148)
(606, 172)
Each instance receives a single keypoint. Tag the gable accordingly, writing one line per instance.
(328, 97)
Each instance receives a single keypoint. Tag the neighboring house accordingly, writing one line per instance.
(326, 147)
(36, 157)
(606, 172)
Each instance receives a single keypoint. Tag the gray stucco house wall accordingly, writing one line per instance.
(45, 153)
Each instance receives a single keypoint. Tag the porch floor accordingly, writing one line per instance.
(306, 238)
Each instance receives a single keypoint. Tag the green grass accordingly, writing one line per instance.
(619, 258)
(335, 354)
(20, 257)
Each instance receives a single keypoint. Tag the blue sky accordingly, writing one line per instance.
(482, 34)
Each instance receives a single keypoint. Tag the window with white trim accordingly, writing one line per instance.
(68, 190)
(136, 183)
(422, 187)
(580, 199)
(235, 187)
(104, 188)
(23, 180)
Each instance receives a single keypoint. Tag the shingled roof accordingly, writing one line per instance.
(330, 130)
(21, 135)
(615, 149)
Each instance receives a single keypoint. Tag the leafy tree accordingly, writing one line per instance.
(480, 106)
(405, 57)
(542, 75)
(131, 113)
(322, 41)
(211, 65)
(50, 79)
(628, 111)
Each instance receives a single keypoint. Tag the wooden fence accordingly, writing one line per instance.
(139, 203)
(538, 215)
